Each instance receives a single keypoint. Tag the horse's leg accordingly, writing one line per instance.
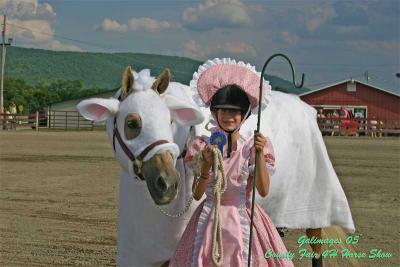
(317, 261)
(165, 264)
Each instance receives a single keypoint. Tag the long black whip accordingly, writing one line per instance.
(258, 130)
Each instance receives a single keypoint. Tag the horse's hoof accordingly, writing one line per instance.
(317, 262)
(165, 264)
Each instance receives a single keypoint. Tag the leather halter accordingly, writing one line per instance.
(137, 161)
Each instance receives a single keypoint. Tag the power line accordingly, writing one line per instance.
(61, 37)
(335, 81)
(376, 77)
(348, 65)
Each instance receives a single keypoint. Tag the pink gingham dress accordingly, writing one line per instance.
(194, 248)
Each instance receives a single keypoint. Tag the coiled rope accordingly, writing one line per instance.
(219, 187)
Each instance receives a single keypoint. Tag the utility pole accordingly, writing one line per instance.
(3, 61)
(366, 75)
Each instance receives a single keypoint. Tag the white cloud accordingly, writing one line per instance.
(237, 48)
(218, 13)
(30, 30)
(57, 45)
(349, 29)
(289, 38)
(151, 25)
(30, 24)
(137, 24)
(112, 25)
(375, 47)
(194, 49)
(317, 16)
(27, 9)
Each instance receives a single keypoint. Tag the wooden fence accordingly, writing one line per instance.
(65, 120)
(14, 121)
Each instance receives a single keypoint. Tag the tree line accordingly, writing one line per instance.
(37, 97)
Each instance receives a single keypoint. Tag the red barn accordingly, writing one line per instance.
(362, 99)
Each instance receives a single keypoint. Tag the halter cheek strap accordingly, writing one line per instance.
(137, 161)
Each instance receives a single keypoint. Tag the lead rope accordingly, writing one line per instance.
(219, 188)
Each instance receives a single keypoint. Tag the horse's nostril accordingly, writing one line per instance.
(176, 186)
(161, 185)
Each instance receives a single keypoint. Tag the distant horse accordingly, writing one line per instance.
(7, 121)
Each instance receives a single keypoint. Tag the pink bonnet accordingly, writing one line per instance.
(217, 73)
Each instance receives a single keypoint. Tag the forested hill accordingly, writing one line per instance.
(101, 70)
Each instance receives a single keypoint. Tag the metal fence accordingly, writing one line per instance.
(68, 120)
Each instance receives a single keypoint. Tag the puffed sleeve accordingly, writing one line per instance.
(269, 156)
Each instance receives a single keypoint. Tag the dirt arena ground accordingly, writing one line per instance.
(59, 198)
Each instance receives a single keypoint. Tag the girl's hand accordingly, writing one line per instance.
(259, 141)
(208, 156)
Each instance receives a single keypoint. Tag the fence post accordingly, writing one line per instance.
(66, 118)
(78, 120)
(48, 118)
(37, 120)
(386, 128)
(92, 125)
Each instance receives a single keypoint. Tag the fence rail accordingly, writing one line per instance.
(69, 120)
(14, 121)
(66, 120)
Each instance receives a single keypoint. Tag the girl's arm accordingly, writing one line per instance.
(262, 179)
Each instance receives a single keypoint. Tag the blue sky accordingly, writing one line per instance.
(328, 40)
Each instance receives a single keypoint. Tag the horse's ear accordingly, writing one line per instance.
(98, 109)
(183, 112)
(162, 82)
(127, 83)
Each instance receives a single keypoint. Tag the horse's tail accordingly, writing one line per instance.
(336, 232)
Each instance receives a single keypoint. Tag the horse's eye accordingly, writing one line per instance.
(133, 125)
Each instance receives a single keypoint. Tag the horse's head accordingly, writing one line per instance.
(139, 128)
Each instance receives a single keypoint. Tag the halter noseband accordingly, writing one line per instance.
(137, 161)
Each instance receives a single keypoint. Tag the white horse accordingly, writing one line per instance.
(305, 192)
(138, 126)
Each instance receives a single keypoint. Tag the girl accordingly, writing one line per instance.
(230, 89)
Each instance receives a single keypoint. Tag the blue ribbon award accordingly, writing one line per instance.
(218, 138)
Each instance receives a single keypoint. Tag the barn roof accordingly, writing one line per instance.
(345, 81)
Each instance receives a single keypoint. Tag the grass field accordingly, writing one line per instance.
(59, 198)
